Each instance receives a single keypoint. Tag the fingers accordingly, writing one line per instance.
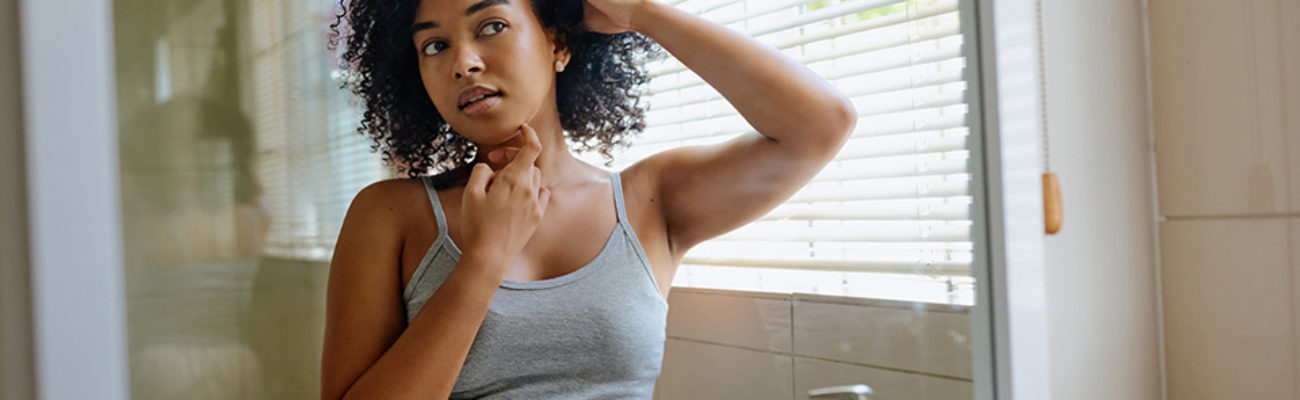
(478, 179)
(527, 155)
(543, 198)
(503, 155)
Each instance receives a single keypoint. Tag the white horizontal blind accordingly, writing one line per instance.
(310, 160)
(890, 216)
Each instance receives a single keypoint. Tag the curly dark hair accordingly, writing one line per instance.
(598, 95)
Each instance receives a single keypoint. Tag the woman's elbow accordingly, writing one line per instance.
(844, 118)
(836, 126)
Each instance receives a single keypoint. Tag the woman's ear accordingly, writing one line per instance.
(560, 50)
(561, 59)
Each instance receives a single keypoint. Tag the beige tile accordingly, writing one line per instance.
(1217, 87)
(702, 371)
(286, 325)
(911, 339)
(213, 370)
(811, 374)
(1291, 88)
(756, 322)
(1228, 309)
(227, 330)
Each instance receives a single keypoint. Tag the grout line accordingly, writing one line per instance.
(794, 381)
(1232, 216)
(1291, 180)
(849, 363)
(1286, 145)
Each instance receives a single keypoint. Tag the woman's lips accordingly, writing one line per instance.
(482, 106)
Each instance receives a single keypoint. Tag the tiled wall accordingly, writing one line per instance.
(228, 331)
(743, 345)
(1226, 92)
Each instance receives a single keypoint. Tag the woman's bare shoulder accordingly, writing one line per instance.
(384, 203)
(399, 192)
(398, 201)
(388, 193)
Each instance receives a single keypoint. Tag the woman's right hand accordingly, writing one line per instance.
(501, 209)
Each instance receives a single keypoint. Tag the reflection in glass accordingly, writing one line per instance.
(240, 157)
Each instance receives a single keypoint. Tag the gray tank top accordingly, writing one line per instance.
(594, 333)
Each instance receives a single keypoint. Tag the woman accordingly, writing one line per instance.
(520, 271)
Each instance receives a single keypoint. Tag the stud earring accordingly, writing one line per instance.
(559, 66)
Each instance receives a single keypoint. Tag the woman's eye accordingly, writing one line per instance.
(433, 48)
(493, 27)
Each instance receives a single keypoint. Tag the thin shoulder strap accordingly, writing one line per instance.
(618, 197)
(437, 206)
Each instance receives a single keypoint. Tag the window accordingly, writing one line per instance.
(310, 160)
(890, 216)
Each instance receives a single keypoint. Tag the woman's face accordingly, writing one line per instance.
(493, 47)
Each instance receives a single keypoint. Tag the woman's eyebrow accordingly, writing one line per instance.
(419, 26)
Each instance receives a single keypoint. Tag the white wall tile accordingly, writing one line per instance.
(1217, 82)
(912, 339)
(758, 321)
(703, 371)
(1229, 330)
(811, 374)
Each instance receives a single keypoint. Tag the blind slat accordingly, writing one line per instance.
(911, 78)
(942, 7)
(943, 188)
(922, 167)
(883, 62)
(871, 231)
(736, 128)
(946, 268)
(823, 14)
(952, 211)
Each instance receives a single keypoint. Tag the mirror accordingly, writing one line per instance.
(241, 158)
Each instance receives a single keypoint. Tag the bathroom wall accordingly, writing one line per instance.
(1226, 94)
(16, 363)
(745, 345)
(1101, 267)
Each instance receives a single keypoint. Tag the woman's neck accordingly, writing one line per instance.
(555, 161)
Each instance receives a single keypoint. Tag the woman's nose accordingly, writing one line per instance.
(467, 62)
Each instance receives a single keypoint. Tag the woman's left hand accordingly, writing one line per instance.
(610, 16)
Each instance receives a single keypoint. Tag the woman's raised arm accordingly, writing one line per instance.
(801, 121)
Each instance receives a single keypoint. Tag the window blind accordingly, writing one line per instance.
(310, 160)
(890, 216)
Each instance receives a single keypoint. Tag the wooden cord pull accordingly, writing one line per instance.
(1053, 213)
